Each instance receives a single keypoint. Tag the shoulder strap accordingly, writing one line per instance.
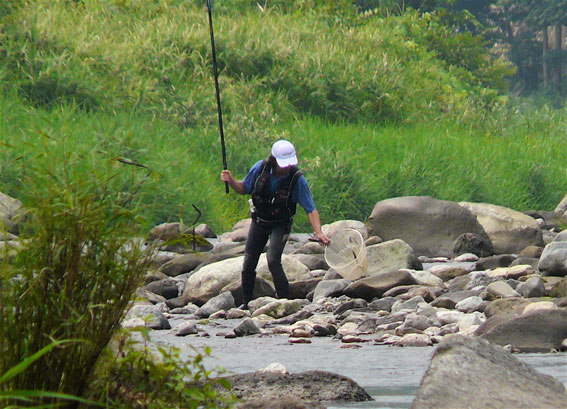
(264, 169)
(294, 178)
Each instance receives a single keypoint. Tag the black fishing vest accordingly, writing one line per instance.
(277, 206)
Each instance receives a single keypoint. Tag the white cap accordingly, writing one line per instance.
(284, 152)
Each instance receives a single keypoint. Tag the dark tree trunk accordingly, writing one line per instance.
(544, 59)
(557, 66)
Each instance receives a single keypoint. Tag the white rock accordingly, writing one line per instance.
(467, 257)
(350, 328)
(469, 304)
(274, 367)
(474, 319)
(449, 316)
(426, 278)
(539, 306)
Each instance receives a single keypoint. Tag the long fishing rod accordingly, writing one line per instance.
(215, 71)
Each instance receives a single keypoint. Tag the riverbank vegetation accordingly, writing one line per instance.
(108, 126)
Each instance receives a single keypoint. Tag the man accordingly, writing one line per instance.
(276, 186)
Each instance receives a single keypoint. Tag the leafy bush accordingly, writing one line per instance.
(131, 375)
(74, 274)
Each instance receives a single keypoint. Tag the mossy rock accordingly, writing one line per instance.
(559, 290)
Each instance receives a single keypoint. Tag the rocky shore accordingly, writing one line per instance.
(436, 270)
(480, 280)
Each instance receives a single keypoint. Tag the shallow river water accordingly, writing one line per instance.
(391, 375)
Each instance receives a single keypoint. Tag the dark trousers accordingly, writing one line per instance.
(258, 236)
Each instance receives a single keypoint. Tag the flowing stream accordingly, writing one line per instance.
(391, 375)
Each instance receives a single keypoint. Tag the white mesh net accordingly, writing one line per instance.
(346, 253)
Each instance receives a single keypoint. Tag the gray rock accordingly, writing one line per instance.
(312, 261)
(350, 305)
(476, 244)
(246, 327)
(561, 206)
(332, 274)
(150, 296)
(331, 229)
(553, 260)
(428, 225)
(470, 304)
(547, 220)
(205, 230)
(484, 376)
(185, 328)
(330, 288)
(418, 322)
(177, 302)
(559, 289)
(223, 301)
(540, 331)
(411, 304)
(509, 230)
(447, 272)
(209, 280)
(531, 252)
(146, 316)
(12, 213)
(501, 289)
(309, 247)
(449, 300)
(492, 262)
(414, 340)
(300, 289)
(509, 307)
(285, 403)
(376, 286)
(533, 287)
(310, 386)
(530, 261)
(383, 304)
(182, 264)
(262, 288)
(166, 288)
(561, 236)
(391, 256)
(280, 308)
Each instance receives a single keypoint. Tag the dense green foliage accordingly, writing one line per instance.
(131, 80)
(73, 274)
(131, 375)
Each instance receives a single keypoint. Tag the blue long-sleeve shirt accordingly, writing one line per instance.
(300, 193)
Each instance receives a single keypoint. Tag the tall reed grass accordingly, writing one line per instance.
(74, 273)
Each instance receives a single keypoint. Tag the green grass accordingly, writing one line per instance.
(378, 107)
(349, 166)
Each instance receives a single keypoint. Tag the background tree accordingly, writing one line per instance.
(534, 34)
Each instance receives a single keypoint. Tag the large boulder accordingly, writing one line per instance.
(471, 373)
(509, 230)
(391, 256)
(182, 264)
(539, 331)
(331, 229)
(209, 280)
(430, 226)
(308, 386)
(262, 288)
